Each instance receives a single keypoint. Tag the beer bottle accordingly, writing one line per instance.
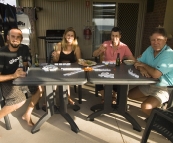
(118, 59)
(20, 62)
(36, 60)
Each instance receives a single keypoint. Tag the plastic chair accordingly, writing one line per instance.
(6, 118)
(161, 121)
(169, 103)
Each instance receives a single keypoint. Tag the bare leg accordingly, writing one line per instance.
(70, 101)
(34, 100)
(148, 102)
(8, 109)
(136, 94)
(114, 97)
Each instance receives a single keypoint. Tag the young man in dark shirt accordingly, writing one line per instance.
(9, 62)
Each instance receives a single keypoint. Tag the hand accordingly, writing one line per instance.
(144, 72)
(139, 56)
(102, 48)
(54, 54)
(19, 73)
(138, 64)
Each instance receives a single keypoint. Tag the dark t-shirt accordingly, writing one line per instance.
(70, 58)
(9, 61)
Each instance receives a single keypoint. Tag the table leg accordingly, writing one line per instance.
(97, 107)
(121, 106)
(50, 110)
(102, 108)
(80, 94)
(63, 108)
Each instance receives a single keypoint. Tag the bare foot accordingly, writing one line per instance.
(28, 120)
(114, 100)
(70, 101)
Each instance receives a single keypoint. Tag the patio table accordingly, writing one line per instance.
(122, 79)
(37, 76)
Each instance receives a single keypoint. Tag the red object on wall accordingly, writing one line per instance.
(87, 33)
(87, 3)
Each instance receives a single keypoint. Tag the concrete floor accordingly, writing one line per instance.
(107, 128)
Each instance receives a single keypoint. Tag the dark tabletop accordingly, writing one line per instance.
(37, 76)
(121, 76)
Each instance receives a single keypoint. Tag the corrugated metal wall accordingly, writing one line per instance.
(26, 3)
(63, 14)
(60, 15)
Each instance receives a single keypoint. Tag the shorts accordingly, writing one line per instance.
(159, 92)
(13, 94)
(32, 89)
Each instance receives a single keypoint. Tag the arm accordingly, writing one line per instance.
(143, 72)
(56, 53)
(7, 77)
(144, 64)
(128, 54)
(147, 70)
(131, 58)
(78, 53)
(18, 73)
(99, 51)
(25, 64)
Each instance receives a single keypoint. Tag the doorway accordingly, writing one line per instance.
(103, 21)
(106, 15)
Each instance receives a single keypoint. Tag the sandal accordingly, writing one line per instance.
(73, 105)
(114, 100)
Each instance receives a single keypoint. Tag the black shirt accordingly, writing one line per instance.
(9, 61)
(69, 58)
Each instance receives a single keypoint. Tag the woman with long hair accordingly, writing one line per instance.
(67, 51)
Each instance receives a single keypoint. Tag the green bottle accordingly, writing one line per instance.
(36, 60)
(20, 62)
(118, 59)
